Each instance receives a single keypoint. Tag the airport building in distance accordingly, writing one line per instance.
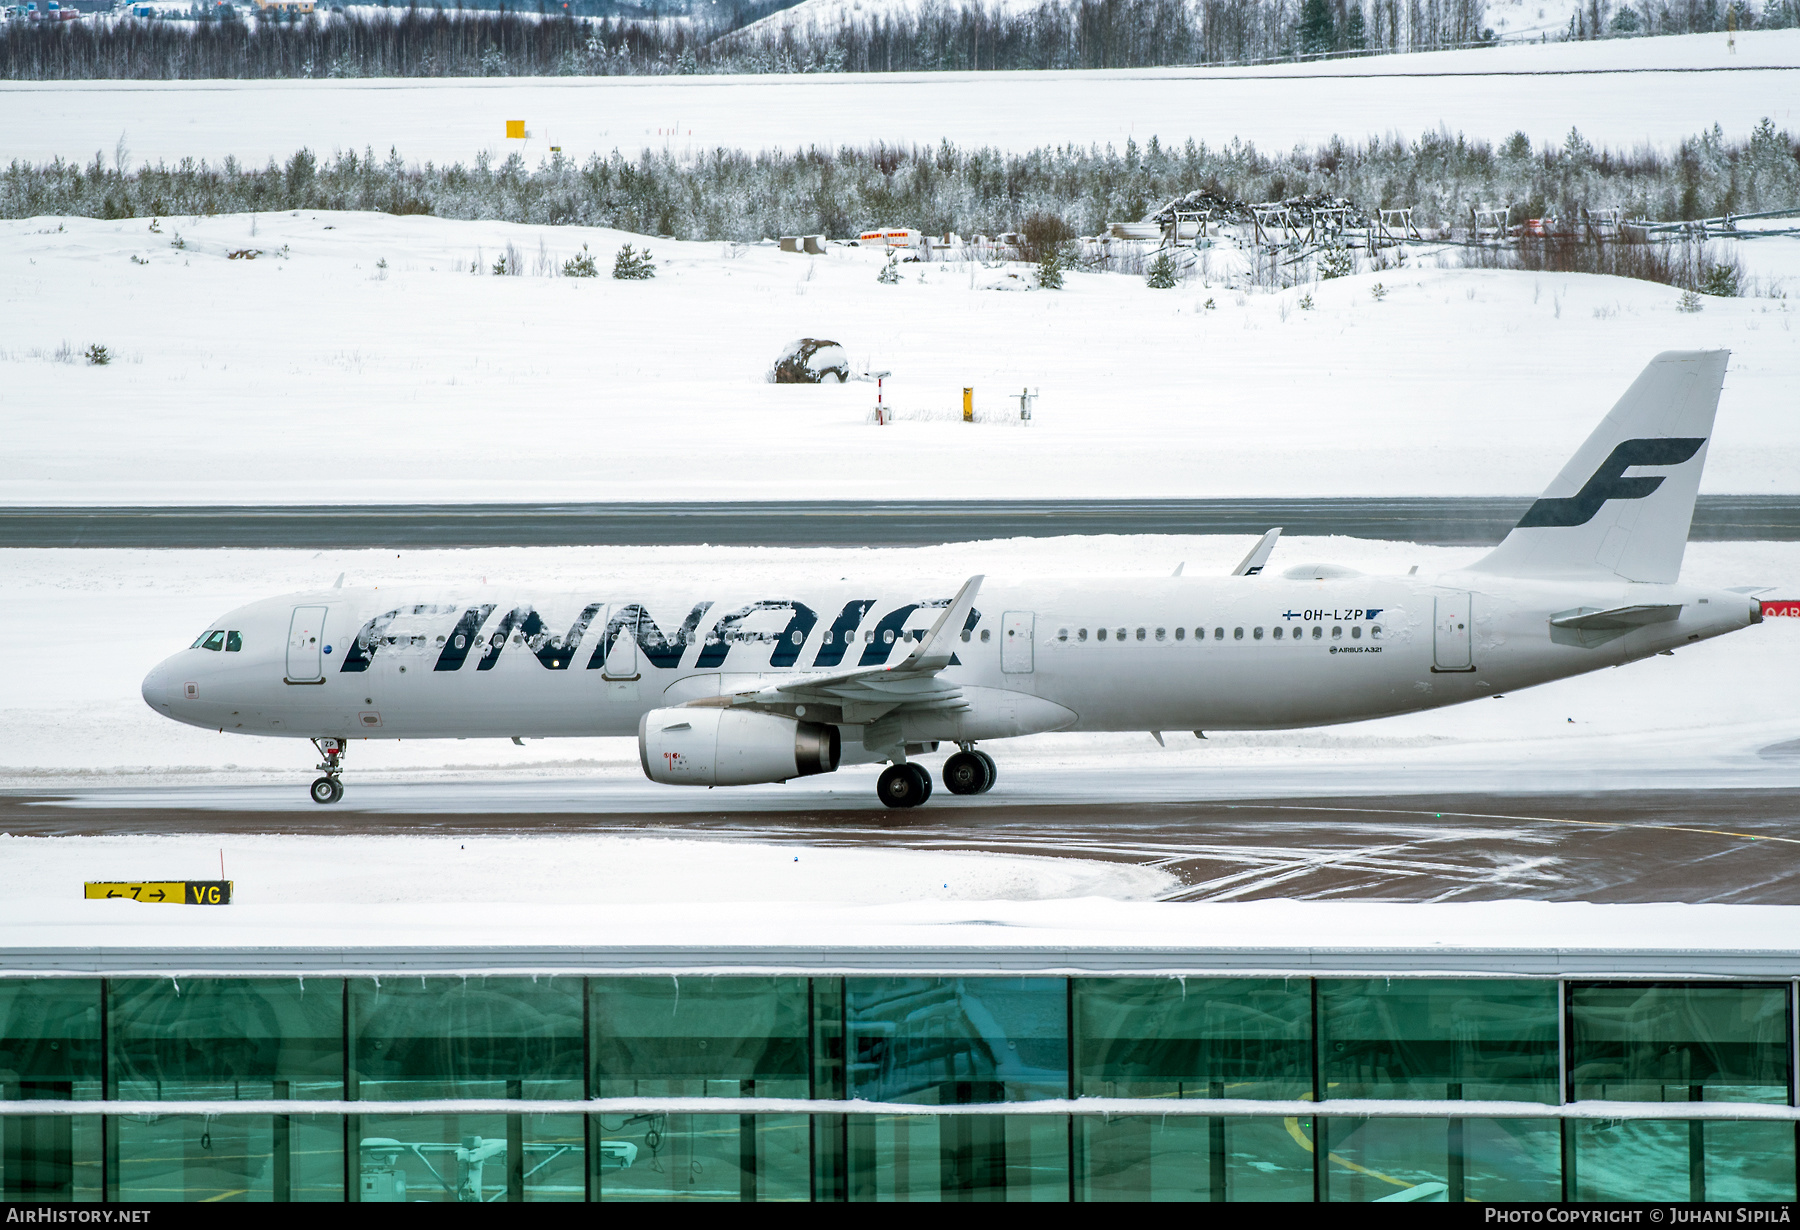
(1353, 1069)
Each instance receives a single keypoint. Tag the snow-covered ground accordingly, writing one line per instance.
(315, 374)
(561, 870)
(75, 718)
(1485, 94)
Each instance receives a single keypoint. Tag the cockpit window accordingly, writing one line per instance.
(233, 642)
(212, 640)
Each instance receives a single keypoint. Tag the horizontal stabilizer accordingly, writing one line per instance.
(1614, 618)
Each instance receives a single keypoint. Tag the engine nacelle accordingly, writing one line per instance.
(730, 747)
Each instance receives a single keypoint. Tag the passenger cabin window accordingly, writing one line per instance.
(1181, 634)
(1140, 634)
(1276, 633)
(984, 636)
(1337, 634)
(1218, 634)
(234, 642)
(1374, 632)
(1256, 633)
(212, 640)
(1100, 634)
(1237, 634)
(1120, 634)
(1318, 631)
(1062, 634)
(1356, 633)
(1081, 634)
(1162, 634)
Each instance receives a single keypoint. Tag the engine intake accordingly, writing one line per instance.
(727, 747)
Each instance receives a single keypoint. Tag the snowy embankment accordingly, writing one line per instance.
(356, 358)
(1619, 93)
(74, 718)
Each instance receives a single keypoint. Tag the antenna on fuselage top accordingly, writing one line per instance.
(339, 583)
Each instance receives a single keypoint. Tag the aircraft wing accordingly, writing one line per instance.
(911, 682)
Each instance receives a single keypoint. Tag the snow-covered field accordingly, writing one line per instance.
(314, 373)
(75, 718)
(1619, 93)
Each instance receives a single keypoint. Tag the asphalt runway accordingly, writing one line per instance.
(1737, 846)
(1448, 521)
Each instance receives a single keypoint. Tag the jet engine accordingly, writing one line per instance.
(728, 747)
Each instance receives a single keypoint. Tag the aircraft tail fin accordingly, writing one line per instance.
(1625, 501)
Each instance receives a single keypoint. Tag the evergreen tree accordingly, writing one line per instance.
(1316, 34)
(1354, 34)
(631, 266)
(1163, 273)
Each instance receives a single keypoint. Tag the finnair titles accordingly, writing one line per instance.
(725, 689)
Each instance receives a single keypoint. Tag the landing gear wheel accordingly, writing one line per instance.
(903, 785)
(968, 773)
(993, 770)
(327, 790)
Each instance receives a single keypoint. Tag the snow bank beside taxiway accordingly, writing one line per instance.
(314, 374)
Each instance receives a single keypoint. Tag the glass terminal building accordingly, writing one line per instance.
(658, 1084)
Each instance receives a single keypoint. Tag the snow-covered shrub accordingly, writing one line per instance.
(1306, 302)
(809, 361)
(629, 266)
(1378, 292)
(1163, 274)
(1689, 302)
(97, 355)
(581, 265)
(1336, 263)
(890, 272)
(1050, 269)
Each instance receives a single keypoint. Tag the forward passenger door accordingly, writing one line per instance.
(1016, 635)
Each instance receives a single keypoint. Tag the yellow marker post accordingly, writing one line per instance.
(515, 130)
(161, 892)
(968, 405)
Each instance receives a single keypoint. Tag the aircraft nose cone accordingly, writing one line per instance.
(162, 688)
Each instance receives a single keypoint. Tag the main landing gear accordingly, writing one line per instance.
(329, 789)
(908, 785)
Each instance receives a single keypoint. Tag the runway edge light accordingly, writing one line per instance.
(161, 892)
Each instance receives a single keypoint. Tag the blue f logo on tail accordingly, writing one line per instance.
(1609, 483)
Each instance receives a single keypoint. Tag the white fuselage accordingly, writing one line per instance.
(1179, 653)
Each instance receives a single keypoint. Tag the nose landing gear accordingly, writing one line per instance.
(329, 789)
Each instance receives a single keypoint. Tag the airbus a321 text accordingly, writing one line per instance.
(725, 689)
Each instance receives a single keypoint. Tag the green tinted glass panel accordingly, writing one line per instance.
(1677, 1160)
(702, 1157)
(49, 1038)
(957, 1158)
(228, 1038)
(1438, 1038)
(957, 1040)
(1442, 1160)
(1193, 1158)
(1193, 1037)
(473, 1037)
(49, 1158)
(1711, 1043)
(229, 1158)
(470, 1159)
(700, 1037)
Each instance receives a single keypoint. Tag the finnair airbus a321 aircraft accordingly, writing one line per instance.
(726, 689)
